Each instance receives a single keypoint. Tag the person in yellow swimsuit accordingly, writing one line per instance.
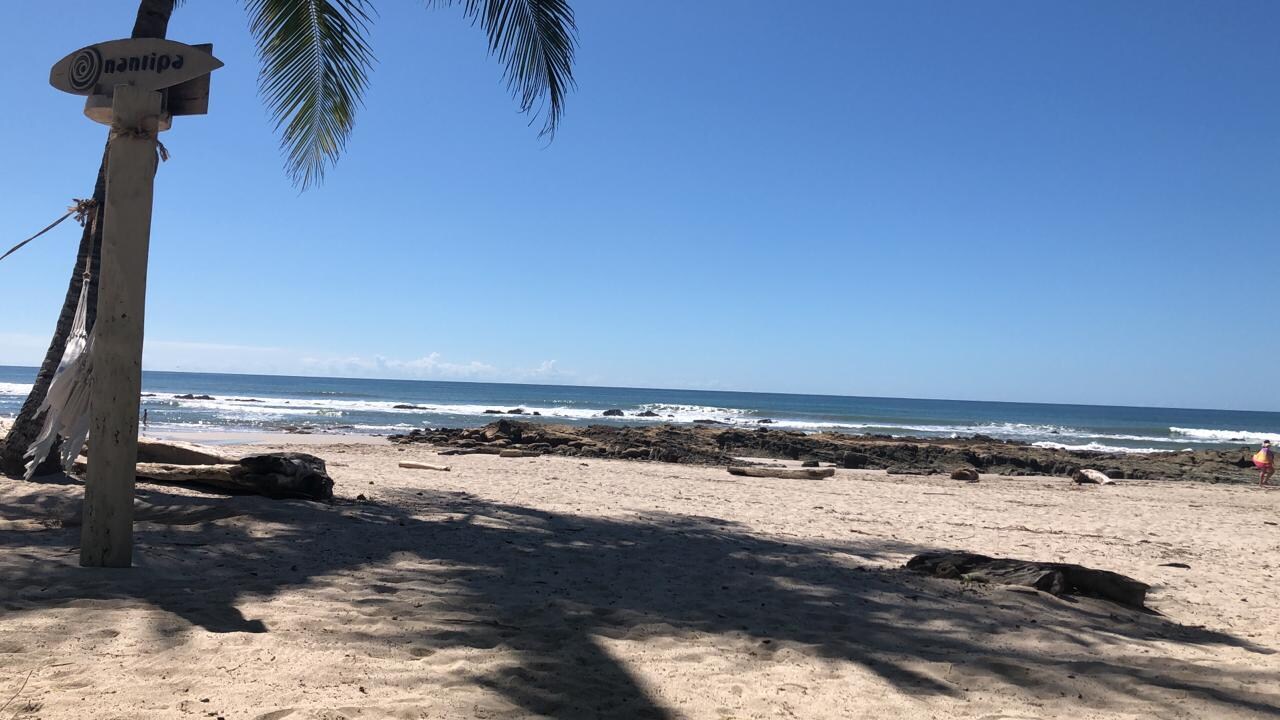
(1265, 461)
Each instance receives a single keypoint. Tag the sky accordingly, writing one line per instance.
(1031, 201)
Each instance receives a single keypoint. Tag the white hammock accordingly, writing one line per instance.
(66, 405)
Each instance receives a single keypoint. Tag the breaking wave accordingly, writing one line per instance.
(1204, 435)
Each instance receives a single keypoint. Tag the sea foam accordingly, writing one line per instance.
(1206, 435)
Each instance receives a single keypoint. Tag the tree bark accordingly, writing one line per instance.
(152, 22)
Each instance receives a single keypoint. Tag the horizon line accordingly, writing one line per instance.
(670, 389)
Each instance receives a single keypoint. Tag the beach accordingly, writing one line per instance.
(575, 588)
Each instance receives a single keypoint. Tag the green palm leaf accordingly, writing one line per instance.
(315, 67)
(535, 40)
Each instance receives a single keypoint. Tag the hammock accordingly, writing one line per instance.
(66, 405)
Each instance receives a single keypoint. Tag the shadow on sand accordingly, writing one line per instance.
(454, 570)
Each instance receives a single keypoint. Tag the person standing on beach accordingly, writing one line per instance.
(1265, 461)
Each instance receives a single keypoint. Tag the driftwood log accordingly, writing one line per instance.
(1050, 577)
(784, 473)
(1085, 476)
(411, 465)
(274, 475)
(173, 452)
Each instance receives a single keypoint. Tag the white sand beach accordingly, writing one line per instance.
(554, 587)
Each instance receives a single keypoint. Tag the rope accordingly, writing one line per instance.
(141, 133)
(80, 209)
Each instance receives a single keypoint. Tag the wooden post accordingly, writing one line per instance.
(106, 538)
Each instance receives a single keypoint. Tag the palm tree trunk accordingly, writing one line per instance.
(152, 22)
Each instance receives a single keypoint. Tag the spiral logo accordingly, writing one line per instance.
(86, 67)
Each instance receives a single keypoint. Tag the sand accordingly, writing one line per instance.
(552, 587)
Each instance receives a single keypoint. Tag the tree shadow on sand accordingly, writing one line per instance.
(453, 570)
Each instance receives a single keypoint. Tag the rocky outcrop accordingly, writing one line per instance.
(613, 412)
(717, 445)
(1051, 577)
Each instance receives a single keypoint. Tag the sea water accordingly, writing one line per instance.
(362, 406)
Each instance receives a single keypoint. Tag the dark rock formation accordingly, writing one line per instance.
(614, 412)
(1050, 577)
(715, 445)
(189, 396)
(965, 474)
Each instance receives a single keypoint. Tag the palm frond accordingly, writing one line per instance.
(535, 40)
(315, 67)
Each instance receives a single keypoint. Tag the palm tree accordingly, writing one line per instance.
(315, 65)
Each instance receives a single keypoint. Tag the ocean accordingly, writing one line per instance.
(380, 407)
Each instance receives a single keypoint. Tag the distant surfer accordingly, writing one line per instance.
(1265, 461)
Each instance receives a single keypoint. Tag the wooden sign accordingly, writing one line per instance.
(145, 63)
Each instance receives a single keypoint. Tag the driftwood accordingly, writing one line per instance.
(411, 465)
(1085, 476)
(274, 475)
(172, 452)
(518, 453)
(472, 451)
(784, 473)
(1050, 577)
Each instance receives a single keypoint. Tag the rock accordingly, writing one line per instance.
(854, 460)
(965, 474)
(1085, 476)
(809, 463)
(764, 421)
(407, 407)
(516, 411)
(289, 474)
(245, 400)
(494, 412)
(909, 470)
(189, 396)
(1050, 577)
(707, 422)
(716, 444)
(1180, 566)
(535, 412)
(647, 413)
(614, 412)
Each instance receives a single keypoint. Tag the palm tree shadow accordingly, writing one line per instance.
(441, 571)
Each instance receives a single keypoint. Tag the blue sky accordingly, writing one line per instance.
(1060, 202)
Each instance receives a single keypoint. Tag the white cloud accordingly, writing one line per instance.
(427, 367)
(16, 349)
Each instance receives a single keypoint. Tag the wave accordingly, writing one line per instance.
(17, 389)
(378, 415)
(1206, 435)
(1096, 447)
